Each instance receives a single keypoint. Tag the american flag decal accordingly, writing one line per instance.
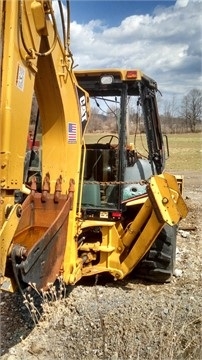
(72, 133)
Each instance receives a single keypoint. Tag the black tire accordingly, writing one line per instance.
(158, 265)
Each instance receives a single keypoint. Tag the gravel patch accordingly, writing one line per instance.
(122, 320)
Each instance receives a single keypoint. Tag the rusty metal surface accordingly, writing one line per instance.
(42, 231)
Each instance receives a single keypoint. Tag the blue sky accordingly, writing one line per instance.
(162, 38)
(112, 12)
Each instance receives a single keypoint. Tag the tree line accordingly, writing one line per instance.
(184, 117)
(175, 117)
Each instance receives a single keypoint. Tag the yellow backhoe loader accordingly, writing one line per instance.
(77, 208)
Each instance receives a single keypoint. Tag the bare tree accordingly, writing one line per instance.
(169, 119)
(191, 109)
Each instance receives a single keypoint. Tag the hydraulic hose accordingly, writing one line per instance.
(29, 51)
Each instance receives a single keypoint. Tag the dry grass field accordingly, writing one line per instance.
(185, 150)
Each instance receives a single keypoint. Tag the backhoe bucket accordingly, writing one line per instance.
(40, 239)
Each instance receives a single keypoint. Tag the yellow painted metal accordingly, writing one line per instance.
(122, 73)
(109, 250)
(141, 200)
(113, 238)
(180, 182)
(164, 205)
(88, 223)
(16, 99)
(176, 184)
(167, 196)
(38, 15)
(134, 228)
(121, 250)
(17, 83)
(56, 86)
(30, 63)
(1, 40)
(7, 233)
(142, 244)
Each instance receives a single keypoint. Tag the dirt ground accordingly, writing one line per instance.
(129, 319)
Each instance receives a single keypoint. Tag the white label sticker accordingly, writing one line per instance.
(20, 77)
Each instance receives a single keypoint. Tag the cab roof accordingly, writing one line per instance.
(91, 81)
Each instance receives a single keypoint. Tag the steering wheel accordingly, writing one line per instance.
(111, 138)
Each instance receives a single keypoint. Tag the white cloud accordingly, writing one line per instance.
(166, 45)
(184, 3)
(181, 3)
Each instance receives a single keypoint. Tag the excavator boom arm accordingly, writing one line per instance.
(35, 62)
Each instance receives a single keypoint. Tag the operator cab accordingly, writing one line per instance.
(123, 141)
